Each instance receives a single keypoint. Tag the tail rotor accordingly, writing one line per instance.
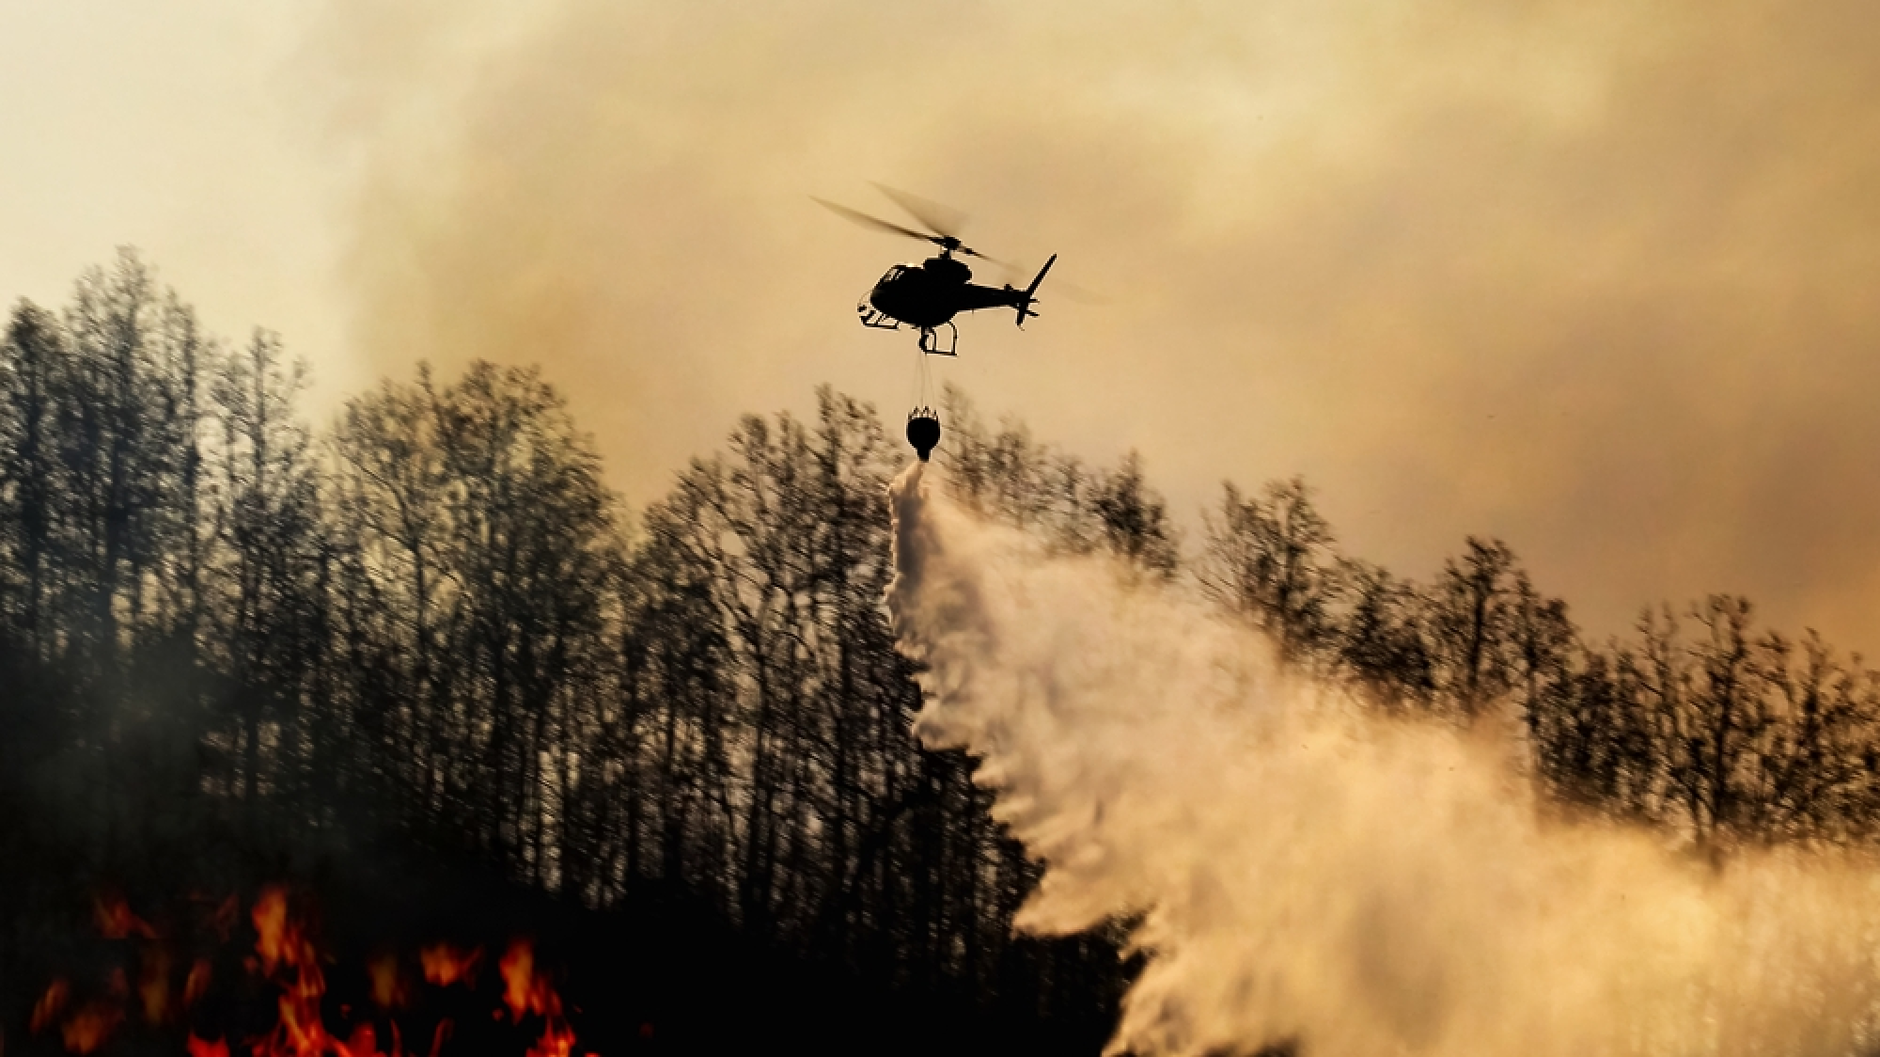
(1025, 299)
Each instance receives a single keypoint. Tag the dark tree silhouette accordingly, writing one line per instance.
(428, 649)
(1269, 559)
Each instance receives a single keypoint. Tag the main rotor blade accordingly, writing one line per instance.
(970, 252)
(941, 220)
(943, 239)
(867, 221)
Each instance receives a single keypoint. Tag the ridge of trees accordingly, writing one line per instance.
(1717, 731)
(232, 644)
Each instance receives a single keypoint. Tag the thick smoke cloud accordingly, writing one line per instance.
(1596, 278)
(1311, 872)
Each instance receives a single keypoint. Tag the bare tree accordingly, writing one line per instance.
(267, 555)
(1471, 615)
(1377, 637)
(1269, 559)
(1134, 519)
(29, 472)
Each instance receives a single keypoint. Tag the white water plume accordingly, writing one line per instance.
(1315, 873)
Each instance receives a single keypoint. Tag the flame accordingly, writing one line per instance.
(82, 1032)
(286, 957)
(50, 1005)
(365, 1043)
(388, 984)
(557, 1040)
(89, 1027)
(201, 1048)
(198, 983)
(153, 985)
(289, 960)
(525, 992)
(518, 969)
(270, 918)
(115, 920)
(446, 964)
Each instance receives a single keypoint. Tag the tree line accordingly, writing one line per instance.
(231, 645)
(1700, 722)
(230, 641)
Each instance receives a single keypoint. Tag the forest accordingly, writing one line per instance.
(422, 668)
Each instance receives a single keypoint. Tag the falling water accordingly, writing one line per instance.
(1307, 871)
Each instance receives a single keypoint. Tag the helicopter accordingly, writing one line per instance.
(928, 295)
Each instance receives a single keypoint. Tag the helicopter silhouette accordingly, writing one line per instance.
(928, 295)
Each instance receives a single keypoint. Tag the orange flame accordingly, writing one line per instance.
(198, 983)
(524, 992)
(89, 1027)
(115, 920)
(519, 984)
(286, 957)
(557, 1040)
(446, 964)
(270, 918)
(153, 985)
(50, 1005)
(388, 984)
(289, 959)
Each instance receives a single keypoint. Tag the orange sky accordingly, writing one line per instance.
(1596, 277)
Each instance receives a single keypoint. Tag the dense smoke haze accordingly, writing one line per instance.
(417, 667)
(1309, 871)
(1555, 310)
(1593, 278)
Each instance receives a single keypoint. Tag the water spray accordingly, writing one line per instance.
(1313, 877)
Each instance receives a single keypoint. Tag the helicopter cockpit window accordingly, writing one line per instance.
(894, 273)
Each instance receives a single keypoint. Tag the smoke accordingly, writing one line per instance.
(1308, 871)
(1594, 278)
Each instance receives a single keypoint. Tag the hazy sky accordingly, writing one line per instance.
(1598, 277)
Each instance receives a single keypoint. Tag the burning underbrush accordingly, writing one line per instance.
(214, 977)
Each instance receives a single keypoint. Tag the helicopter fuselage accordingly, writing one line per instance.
(931, 293)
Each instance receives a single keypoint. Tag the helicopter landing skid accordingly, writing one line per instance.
(930, 340)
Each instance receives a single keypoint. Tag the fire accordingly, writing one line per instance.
(388, 984)
(525, 992)
(200, 1048)
(287, 959)
(520, 988)
(365, 1042)
(87, 1029)
(50, 1005)
(197, 985)
(153, 985)
(446, 964)
(270, 919)
(556, 1041)
(115, 920)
